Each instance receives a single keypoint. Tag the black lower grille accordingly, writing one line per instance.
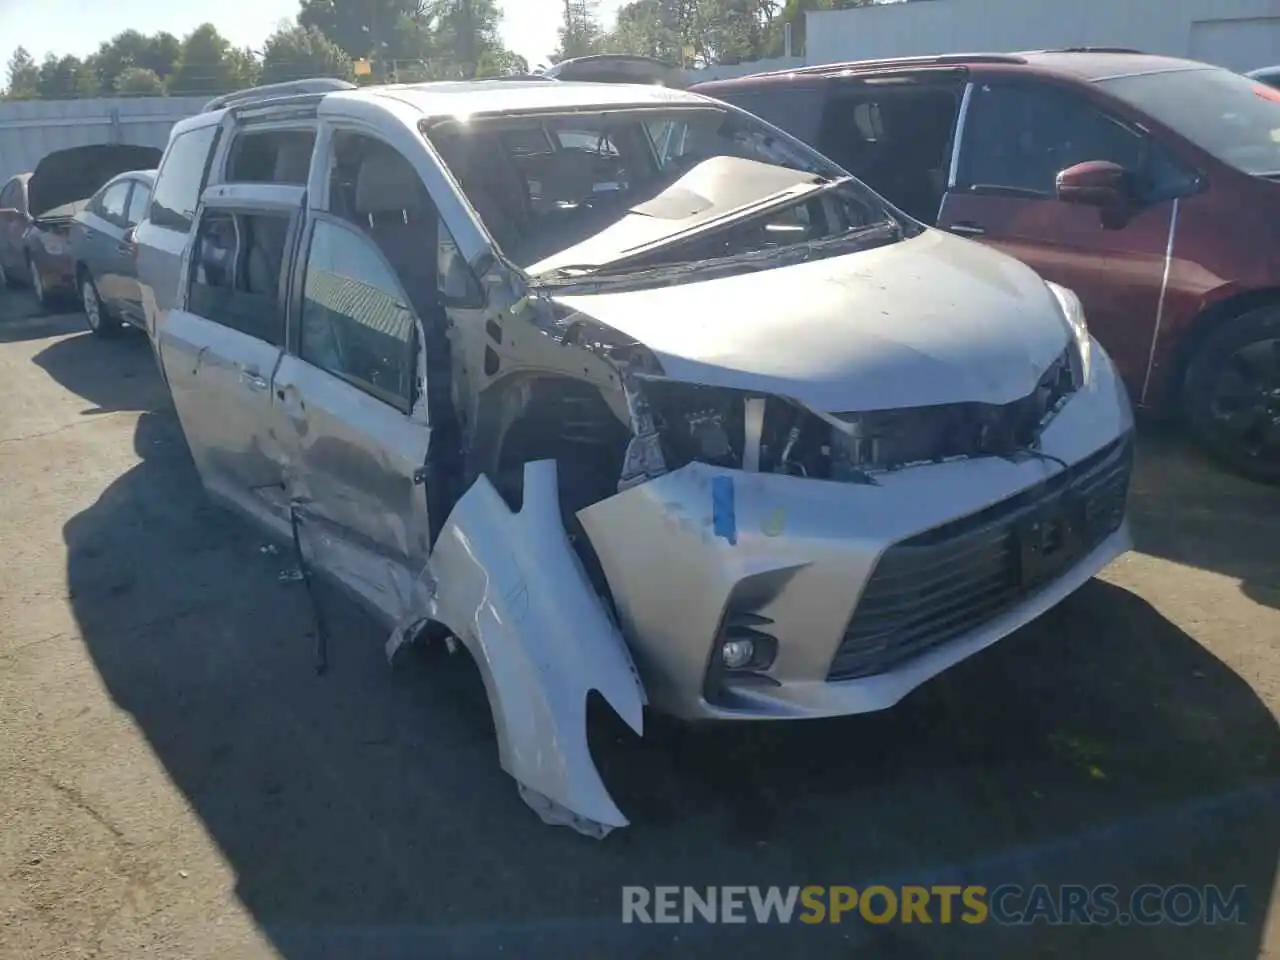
(944, 582)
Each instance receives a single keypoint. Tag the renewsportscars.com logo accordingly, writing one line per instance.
(1008, 904)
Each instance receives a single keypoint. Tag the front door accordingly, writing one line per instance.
(350, 395)
(103, 226)
(222, 344)
(1017, 136)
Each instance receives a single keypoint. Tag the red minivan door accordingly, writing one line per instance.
(1016, 136)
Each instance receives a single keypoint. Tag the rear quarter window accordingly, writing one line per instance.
(797, 111)
(181, 178)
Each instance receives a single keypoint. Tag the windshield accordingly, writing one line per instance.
(581, 190)
(1232, 117)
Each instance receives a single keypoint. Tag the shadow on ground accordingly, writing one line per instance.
(365, 815)
(1186, 509)
(112, 374)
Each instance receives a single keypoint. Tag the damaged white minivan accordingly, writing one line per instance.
(631, 392)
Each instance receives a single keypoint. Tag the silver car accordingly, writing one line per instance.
(630, 392)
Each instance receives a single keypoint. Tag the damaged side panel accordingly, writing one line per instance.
(510, 587)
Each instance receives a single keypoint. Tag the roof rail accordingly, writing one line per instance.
(272, 90)
(941, 59)
(1088, 50)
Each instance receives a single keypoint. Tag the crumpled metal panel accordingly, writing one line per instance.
(510, 587)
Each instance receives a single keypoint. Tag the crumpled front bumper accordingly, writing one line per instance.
(694, 550)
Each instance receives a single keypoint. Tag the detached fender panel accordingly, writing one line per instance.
(512, 590)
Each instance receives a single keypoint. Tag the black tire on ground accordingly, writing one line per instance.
(100, 322)
(1231, 394)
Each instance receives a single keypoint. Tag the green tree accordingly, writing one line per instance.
(244, 69)
(639, 29)
(23, 76)
(363, 28)
(65, 78)
(205, 65)
(501, 63)
(581, 33)
(464, 34)
(161, 55)
(139, 82)
(300, 52)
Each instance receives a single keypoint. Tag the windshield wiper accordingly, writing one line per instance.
(738, 215)
(856, 238)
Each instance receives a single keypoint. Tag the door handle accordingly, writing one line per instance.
(253, 380)
(967, 228)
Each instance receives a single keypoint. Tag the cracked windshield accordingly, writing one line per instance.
(640, 479)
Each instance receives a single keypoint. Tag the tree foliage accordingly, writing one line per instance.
(23, 76)
(300, 52)
(413, 40)
(138, 82)
(206, 65)
(65, 78)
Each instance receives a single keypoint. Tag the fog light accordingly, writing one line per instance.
(736, 654)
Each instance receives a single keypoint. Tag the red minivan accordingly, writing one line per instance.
(1149, 185)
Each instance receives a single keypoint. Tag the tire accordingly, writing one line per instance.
(1231, 394)
(101, 323)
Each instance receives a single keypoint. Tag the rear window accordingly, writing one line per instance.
(181, 177)
(1232, 117)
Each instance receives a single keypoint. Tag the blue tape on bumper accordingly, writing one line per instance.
(723, 515)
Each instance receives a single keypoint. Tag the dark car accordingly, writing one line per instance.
(1149, 185)
(57, 190)
(104, 252)
(618, 68)
(1268, 75)
(14, 220)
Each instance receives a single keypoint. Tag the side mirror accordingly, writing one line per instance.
(1095, 183)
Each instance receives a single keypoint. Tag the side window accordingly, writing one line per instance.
(356, 319)
(112, 202)
(235, 272)
(1019, 136)
(181, 177)
(271, 156)
(139, 200)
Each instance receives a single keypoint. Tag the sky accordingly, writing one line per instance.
(78, 26)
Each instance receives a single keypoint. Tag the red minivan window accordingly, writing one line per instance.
(1220, 111)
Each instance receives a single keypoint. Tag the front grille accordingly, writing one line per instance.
(947, 581)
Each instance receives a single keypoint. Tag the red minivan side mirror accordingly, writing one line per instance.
(1094, 183)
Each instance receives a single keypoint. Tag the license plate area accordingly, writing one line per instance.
(1048, 540)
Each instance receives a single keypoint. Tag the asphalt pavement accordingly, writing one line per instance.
(176, 781)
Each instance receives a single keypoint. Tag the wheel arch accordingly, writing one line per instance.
(1201, 326)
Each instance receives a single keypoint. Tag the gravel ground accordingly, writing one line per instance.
(175, 781)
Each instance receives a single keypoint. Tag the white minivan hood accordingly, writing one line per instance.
(930, 320)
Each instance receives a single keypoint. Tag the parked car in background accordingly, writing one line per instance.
(1149, 185)
(58, 189)
(712, 429)
(104, 252)
(618, 68)
(1268, 75)
(15, 217)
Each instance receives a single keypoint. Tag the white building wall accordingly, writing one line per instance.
(30, 129)
(1239, 34)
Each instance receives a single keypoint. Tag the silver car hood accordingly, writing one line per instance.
(926, 321)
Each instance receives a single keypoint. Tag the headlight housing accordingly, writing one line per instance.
(1073, 314)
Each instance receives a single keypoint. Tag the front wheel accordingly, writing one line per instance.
(1231, 394)
(100, 322)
